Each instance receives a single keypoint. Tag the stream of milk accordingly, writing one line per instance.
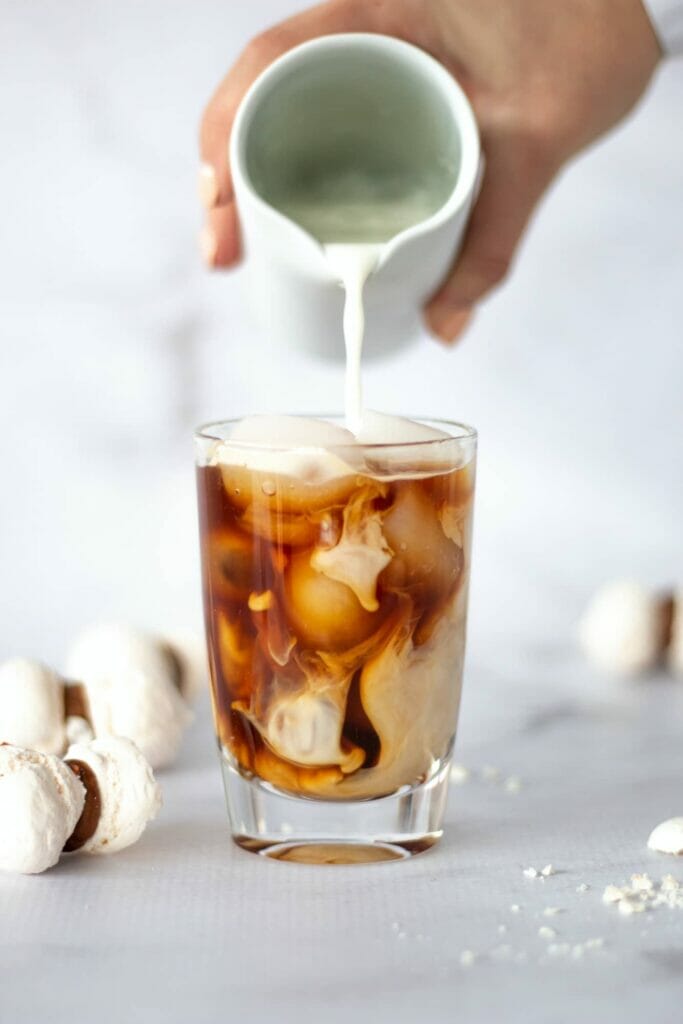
(353, 216)
(352, 264)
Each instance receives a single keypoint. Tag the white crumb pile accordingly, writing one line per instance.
(460, 774)
(545, 872)
(639, 895)
(551, 946)
(576, 950)
(644, 894)
(554, 950)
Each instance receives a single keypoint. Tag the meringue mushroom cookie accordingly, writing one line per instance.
(667, 837)
(32, 706)
(132, 689)
(128, 792)
(141, 707)
(41, 801)
(621, 629)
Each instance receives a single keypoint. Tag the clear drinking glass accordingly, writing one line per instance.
(335, 597)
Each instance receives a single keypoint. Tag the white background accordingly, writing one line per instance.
(114, 343)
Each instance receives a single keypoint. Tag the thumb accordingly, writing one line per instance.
(515, 178)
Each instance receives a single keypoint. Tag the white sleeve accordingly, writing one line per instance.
(667, 20)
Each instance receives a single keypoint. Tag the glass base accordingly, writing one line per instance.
(274, 824)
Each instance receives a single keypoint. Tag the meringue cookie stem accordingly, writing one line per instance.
(89, 819)
(76, 701)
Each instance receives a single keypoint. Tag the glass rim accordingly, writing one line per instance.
(209, 432)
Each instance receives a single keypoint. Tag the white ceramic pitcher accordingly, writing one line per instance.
(367, 101)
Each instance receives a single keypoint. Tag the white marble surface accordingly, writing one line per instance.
(114, 343)
(187, 927)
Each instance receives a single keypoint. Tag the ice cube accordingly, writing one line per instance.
(290, 431)
(424, 558)
(380, 428)
(231, 564)
(236, 654)
(279, 527)
(323, 613)
(407, 449)
(290, 445)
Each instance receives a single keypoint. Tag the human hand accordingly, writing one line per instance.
(544, 79)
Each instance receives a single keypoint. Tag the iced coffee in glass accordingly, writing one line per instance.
(335, 573)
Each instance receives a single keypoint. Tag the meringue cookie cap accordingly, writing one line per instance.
(129, 793)
(667, 837)
(620, 629)
(31, 706)
(130, 689)
(41, 801)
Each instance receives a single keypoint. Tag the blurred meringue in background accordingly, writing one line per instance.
(628, 629)
(119, 681)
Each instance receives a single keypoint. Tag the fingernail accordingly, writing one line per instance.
(448, 322)
(208, 245)
(207, 186)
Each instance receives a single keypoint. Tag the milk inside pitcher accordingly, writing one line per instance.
(351, 140)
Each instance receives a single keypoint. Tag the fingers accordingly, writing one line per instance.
(215, 187)
(219, 241)
(448, 324)
(516, 176)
